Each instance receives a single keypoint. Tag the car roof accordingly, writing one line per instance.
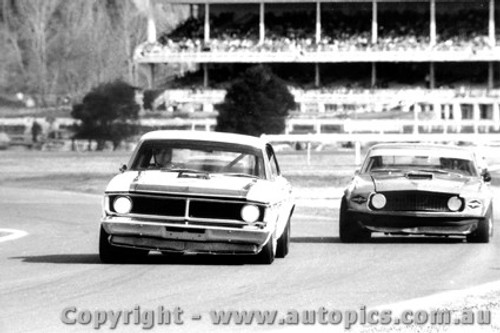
(445, 150)
(417, 146)
(240, 139)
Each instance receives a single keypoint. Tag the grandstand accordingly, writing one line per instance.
(427, 59)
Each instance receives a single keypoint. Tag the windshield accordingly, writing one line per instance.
(424, 163)
(199, 156)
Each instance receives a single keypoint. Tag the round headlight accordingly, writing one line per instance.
(454, 204)
(379, 201)
(122, 205)
(250, 213)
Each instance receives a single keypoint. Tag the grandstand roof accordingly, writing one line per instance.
(299, 1)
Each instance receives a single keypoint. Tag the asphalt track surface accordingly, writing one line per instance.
(56, 266)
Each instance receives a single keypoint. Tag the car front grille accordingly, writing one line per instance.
(215, 210)
(158, 206)
(187, 208)
(417, 201)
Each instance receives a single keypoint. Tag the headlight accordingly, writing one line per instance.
(250, 213)
(122, 205)
(378, 201)
(454, 204)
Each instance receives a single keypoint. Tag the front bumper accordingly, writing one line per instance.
(184, 238)
(419, 224)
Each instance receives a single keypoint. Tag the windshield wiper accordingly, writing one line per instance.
(237, 174)
(183, 170)
(435, 171)
(386, 170)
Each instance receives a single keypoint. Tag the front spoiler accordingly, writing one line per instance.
(417, 225)
(183, 238)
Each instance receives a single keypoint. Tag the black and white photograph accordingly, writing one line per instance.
(250, 166)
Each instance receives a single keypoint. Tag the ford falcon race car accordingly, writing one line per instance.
(419, 189)
(197, 193)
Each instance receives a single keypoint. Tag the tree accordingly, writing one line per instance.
(109, 112)
(26, 29)
(54, 48)
(258, 102)
(149, 98)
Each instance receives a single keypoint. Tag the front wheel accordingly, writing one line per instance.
(112, 254)
(349, 230)
(267, 254)
(484, 229)
(284, 241)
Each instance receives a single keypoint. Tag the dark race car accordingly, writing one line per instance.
(422, 189)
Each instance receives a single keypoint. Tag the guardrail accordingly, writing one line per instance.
(320, 126)
(327, 126)
(358, 139)
(374, 137)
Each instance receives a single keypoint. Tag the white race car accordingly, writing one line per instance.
(197, 193)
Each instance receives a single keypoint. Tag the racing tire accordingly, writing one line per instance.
(284, 241)
(109, 254)
(349, 230)
(484, 230)
(267, 254)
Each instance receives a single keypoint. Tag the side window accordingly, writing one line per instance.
(275, 170)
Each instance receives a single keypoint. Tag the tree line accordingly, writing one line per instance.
(65, 48)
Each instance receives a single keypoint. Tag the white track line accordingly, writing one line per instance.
(13, 234)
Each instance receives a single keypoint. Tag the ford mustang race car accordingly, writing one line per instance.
(197, 193)
(418, 189)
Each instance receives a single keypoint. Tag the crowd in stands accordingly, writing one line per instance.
(463, 30)
(467, 29)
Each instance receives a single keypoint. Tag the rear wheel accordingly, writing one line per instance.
(284, 241)
(484, 229)
(112, 254)
(349, 230)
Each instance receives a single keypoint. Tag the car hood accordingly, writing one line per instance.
(214, 186)
(425, 182)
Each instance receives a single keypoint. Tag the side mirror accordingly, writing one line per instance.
(486, 176)
(356, 172)
(123, 168)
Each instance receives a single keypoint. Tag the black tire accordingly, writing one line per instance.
(349, 230)
(267, 254)
(112, 254)
(284, 241)
(484, 229)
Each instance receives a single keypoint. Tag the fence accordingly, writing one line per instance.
(358, 139)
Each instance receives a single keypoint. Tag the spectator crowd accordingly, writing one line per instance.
(397, 31)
